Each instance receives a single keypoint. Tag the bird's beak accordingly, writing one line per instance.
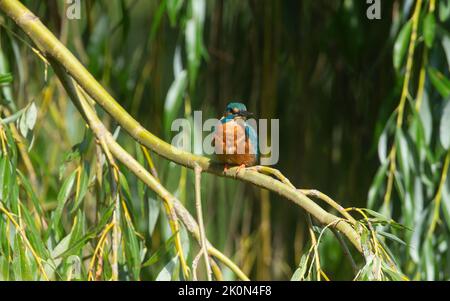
(245, 114)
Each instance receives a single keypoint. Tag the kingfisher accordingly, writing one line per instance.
(235, 140)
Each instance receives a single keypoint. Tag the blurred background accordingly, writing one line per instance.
(332, 76)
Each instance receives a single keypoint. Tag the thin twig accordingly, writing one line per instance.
(329, 201)
(315, 245)
(198, 206)
(195, 264)
(346, 250)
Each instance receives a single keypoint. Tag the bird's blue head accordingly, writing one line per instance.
(237, 109)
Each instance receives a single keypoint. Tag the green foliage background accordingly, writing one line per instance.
(334, 79)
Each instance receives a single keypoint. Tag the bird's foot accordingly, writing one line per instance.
(272, 172)
(239, 168)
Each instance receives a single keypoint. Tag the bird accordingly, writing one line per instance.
(235, 141)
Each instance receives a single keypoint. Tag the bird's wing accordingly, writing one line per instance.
(250, 134)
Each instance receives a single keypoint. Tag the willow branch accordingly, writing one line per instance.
(50, 46)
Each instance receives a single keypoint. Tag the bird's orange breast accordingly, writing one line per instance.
(231, 144)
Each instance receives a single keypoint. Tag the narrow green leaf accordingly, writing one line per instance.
(83, 187)
(185, 242)
(132, 251)
(446, 202)
(444, 129)
(5, 180)
(446, 46)
(154, 207)
(440, 82)
(16, 265)
(30, 192)
(429, 29)
(3, 167)
(444, 10)
(428, 260)
(4, 269)
(403, 154)
(401, 45)
(391, 237)
(79, 244)
(365, 243)
(73, 266)
(174, 99)
(23, 127)
(192, 49)
(383, 140)
(164, 249)
(6, 78)
(63, 195)
(33, 233)
(61, 247)
(299, 273)
(393, 274)
(31, 116)
(157, 19)
(426, 118)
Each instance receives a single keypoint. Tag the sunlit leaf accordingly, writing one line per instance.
(299, 273)
(446, 46)
(5, 174)
(394, 275)
(154, 207)
(426, 118)
(132, 251)
(403, 153)
(63, 196)
(31, 116)
(164, 249)
(444, 10)
(428, 259)
(30, 192)
(174, 98)
(440, 82)
(166, 273)
(383, 140)
(444, 129)
(61, 247)
(446, 201)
